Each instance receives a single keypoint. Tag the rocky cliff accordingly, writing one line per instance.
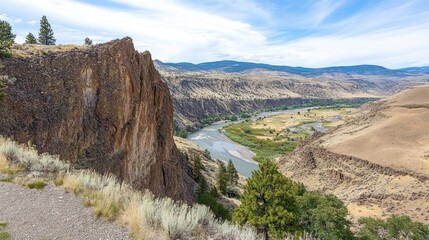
(103, 107)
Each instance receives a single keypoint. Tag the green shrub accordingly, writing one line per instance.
(324, 215)
(181, 133)
(265, 149)
(217, 208)
(38, 184)
(395, 227)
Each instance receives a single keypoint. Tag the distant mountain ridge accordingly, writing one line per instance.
(230, 87)
(416, 69)
(236, 66)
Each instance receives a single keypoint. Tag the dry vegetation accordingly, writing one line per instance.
(148, 217)
(377, 163)
(33, 50)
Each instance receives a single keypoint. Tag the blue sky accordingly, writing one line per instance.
(316, 33)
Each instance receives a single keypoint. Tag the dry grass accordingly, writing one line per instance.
(396, 137)
(31, 50)
(4, 164)
(149, 217)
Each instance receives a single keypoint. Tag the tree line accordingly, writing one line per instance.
(45, 37)
(7, 39)
(278, 207)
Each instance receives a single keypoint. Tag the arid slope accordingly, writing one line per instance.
(397, 137)
(378, 163)
(205, 92)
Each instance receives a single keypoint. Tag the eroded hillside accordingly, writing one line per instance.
(103, 107)
(378, 163)
(200, 91)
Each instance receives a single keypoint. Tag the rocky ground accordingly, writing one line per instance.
(50, 213)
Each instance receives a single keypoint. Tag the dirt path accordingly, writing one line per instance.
(50, 213)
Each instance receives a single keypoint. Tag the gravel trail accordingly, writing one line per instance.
(50, 213)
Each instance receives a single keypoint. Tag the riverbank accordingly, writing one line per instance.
(221, 147)
(270, 137)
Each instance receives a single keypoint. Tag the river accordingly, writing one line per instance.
(222, 148)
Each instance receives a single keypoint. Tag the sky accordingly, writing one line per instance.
(308, 33)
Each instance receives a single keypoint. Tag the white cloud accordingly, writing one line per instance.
(321, 10)
(174, 31)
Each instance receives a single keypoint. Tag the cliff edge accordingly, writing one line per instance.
(103, 107)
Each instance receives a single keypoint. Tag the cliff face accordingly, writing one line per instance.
(103, 107)
(190, 111)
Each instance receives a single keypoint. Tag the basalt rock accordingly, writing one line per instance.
(103, 107)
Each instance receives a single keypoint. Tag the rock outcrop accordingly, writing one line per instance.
(103, 107)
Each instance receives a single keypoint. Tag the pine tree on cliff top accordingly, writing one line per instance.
(46, 34)
(7, 38)
(30, 39)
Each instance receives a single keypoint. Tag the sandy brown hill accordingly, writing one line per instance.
(378, 162)
(103, 107)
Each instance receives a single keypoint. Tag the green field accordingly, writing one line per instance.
(271, 137)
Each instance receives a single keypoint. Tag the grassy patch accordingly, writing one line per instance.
(31, 50)
(9, 178)
(3, 234)
(4, 164)
(218, 209)
(38, 184)
(59, 181)
(277, 135)
(262, 141)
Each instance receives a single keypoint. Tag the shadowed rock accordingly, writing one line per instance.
(103, 107)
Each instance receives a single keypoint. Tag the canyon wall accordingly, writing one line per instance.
(103, 107)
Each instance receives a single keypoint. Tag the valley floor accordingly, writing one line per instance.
(51, 213)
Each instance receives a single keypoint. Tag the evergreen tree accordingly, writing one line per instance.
(30, 39)
(268, 202)
(7, 38)
(232, 174)
(88, 41)
(222, 178)
(46, 34)
(201, 180)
